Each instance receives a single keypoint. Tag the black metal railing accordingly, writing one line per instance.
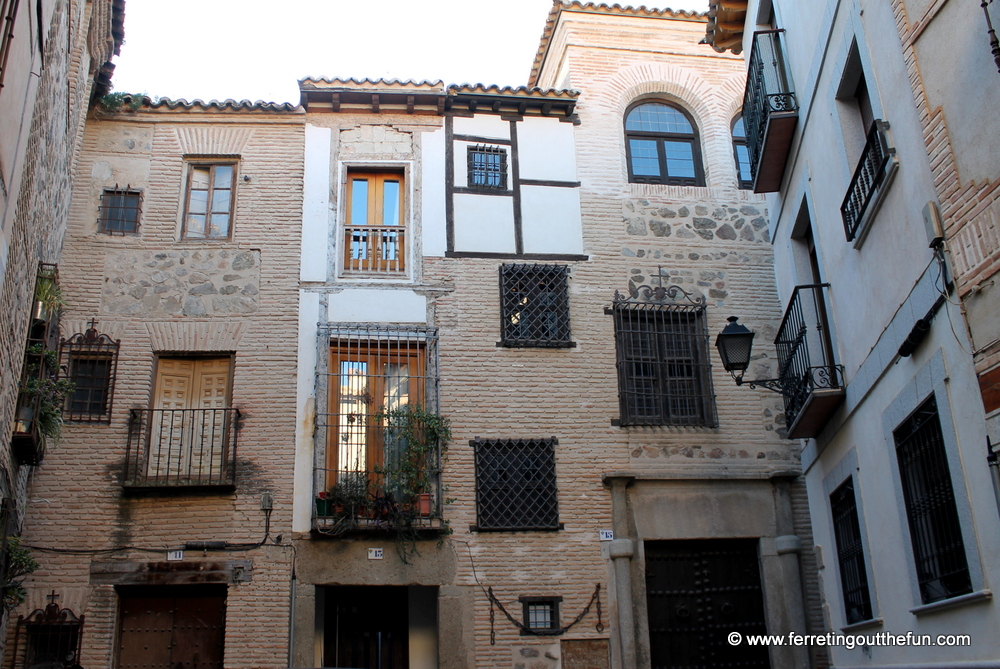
(381, 498)
(767, 91)
(870, 174)
(182, 447)
(805, 351)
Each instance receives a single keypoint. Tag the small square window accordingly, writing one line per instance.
(516, 484)
(541, 615)
(208, 210)
(119, 211)
(534, 306)
(487, 167)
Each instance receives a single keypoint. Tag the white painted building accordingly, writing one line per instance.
(858, 122)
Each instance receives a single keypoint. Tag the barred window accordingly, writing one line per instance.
(487, 167)
(850, 553)
(935, 531)
(119, 211)
(91, 361)
(534, 306)
(49, 637)
(541, 615)
(516, 484)
(664, 373)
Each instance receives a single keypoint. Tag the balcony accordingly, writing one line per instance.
(377, 499)
(812, 385)
(871, 181)
(377, 249)
(38, 414)
(170, 448)
(770, 111)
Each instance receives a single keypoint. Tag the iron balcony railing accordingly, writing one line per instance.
(375, 248)
(768, 91)
(182, 447)
(873, 168)
(379, 499)
(805, 351)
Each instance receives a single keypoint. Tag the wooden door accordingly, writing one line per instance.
(184, 630)
(188, 423)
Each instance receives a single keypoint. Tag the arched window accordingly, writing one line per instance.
(662, 146)
(742, 154)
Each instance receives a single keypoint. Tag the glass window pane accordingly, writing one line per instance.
(199, 177)
(198, 202)
(220, 225)
(739, 131)
(224, 176)
(390, 203)
(652, 117)
(220, 201)
(680, 159)
(195, 226)
(359, 202)
(645, 161)
(743, 158)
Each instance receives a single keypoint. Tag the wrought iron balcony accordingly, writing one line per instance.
(770, 111)
(812, 385)
(871, 181)
(375, 248)
(377, 499)
(181, 447)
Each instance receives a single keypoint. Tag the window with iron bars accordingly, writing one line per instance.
(541, 615)
(487, 167)
(935, 530)
(373, 370)
(534, 306)
(91, 362)
(664, 373)
(850, 553)
(119, 211)
(49, 637)
(516, 484)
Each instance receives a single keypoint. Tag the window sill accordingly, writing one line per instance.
(476, 528)
(536, 344)
(862, 624)
(952, 602)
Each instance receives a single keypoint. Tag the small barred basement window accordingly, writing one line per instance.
(91, 361)
(488, 167)
(119, 211)
(541, 615)
(516, 484)
(534, 306)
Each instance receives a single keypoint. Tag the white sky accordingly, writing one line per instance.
(257, 50)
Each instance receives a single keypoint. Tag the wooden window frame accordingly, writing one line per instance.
(664, 177)
(182, 355)
(376, 236)
(212, 164)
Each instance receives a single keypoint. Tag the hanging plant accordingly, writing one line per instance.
(20, 564)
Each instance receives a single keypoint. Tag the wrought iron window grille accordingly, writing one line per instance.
(374, 371)
(49, 637)
(850, 553)
(935, 529)
(875, 169)
(487, 167)
(90, 360)
(662, 356)
(119, 210)
(534, 306)
(516, 484)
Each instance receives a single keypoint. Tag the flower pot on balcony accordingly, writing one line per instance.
(322, 507)
(424, 504)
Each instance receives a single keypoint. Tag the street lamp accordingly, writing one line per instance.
(734, 344)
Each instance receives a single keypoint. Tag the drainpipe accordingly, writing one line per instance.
(621, 551)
